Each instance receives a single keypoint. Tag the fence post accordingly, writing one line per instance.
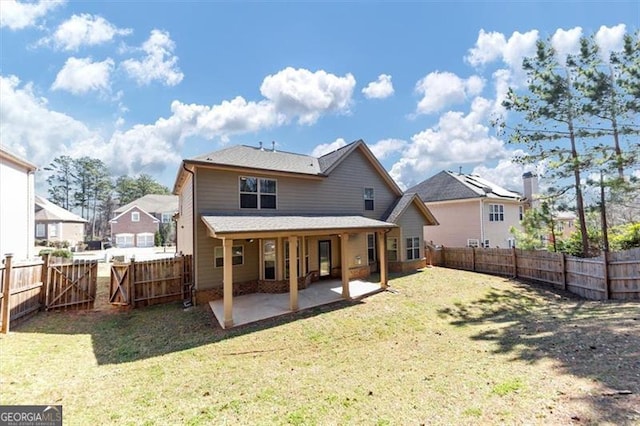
(605, 273)
(46, 258)
(473, 259)
(6, 294)
(563, 265)
(132, 283)
(515, 262)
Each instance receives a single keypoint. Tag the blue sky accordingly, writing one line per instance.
(144, 84)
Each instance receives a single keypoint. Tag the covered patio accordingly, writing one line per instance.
(260, 306)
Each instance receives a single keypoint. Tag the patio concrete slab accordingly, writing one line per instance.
(259, 306)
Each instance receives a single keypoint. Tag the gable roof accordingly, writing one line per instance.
(398, 209)
(447, 185)
(152, 203)
(115, 219)
(46, 210)
(243, 157)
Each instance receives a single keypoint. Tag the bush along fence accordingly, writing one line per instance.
(612, 275)
(28, 287)
(135, 284)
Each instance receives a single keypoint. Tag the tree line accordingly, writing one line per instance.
(86, 186)
(579, 115)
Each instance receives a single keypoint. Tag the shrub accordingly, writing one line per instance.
(57, 253)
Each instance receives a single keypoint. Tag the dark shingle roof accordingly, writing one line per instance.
(265, 159)
(453, 186)
(153, 203)
(328, 160)
(394, 213)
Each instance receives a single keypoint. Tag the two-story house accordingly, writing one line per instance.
(252, 216)
(472, 211)
(136, 223)
(16, 206)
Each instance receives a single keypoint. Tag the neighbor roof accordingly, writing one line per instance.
(447, 185)
(47, 211)
(152, 203)
(229, 224)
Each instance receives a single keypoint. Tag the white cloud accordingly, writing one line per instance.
(84, 30)
(610, 39)
(507, 173)
(566, 42)
(306, 94)
(17, 16)
(326, 148)
(379, 89)
(455, 141)
(519, 46)
(82, 75)
(442, 89)
(159, 64)
(383, 148)
(493, 46)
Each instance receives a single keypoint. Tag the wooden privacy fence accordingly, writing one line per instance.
(614, 275)
(151, 282)
(29, 286)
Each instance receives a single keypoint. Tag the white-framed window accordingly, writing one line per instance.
(511, 242)
(166, 217)
(368, 199)
(413, 248)
(473, 242)
(53, 230)
(145, 239)
(40, 230)
(124, 240)
(258, 193)
(371, 247)
(135, 216)
(486, 244)
(521, 212)
(237, 256)
(496, 213)
(392, 249)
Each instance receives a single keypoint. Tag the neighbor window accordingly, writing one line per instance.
(53, 230)
(166, 217)
(40, 230)
(521, 212)
(257, 193)
(135, 216)
(368, 198)
(392, 249)
(473, 242)
(371, 247)
(496, 213)
(413, 248)
(511, 242)
(486, 244)
(237, 256)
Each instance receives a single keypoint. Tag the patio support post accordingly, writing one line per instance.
(344, 265)
(293, 273)
(382, 257)
(228, 282)
(303, 256)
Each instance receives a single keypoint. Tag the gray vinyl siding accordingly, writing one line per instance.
(184, 225)
(340, 193)
(412, 223)
(212, 277)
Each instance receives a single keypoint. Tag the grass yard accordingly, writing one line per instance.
(451, 347)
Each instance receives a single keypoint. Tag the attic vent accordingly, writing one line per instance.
(261, 148)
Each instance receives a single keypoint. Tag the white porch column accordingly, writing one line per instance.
(293, 273)
(344, 265)
(227, 296)
(382, 257)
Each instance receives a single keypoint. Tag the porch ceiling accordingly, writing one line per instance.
(236, 226)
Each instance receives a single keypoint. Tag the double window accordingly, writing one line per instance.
(368, 198)
(413, 248)
(257, 193)
(496, 213)
(237, 256)
(473, 242)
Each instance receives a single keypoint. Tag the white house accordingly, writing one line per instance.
(16, 206)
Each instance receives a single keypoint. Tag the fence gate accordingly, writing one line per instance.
(120, 285)
(72, 285)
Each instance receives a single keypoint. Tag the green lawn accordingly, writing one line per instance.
(450, 347)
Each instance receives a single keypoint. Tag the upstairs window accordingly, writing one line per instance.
(368, 198)
(521, 212)
(166, 217)
(496, 213)
(135, 216)
(257, 193)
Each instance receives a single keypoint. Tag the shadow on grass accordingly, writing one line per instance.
(589, 339)
(120, 336)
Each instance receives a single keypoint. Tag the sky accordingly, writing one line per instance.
(142, 85)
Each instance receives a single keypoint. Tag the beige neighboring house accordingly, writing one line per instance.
(56, 224)
(136, 223)
(16, 206)
(245, 213)
(472, 211)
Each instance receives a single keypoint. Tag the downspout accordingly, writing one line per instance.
(481, 222)
(193, 229)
